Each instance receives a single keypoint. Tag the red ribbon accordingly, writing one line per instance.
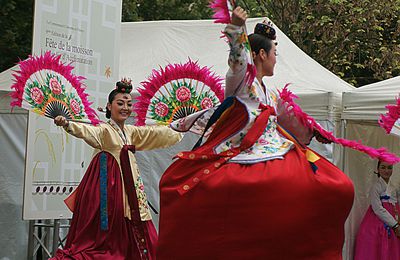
(215, 161)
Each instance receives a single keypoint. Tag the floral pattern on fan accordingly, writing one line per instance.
(175, 92)
(46, 86)
(49, 98)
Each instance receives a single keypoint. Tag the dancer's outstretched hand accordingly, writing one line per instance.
(60, 121)
(320, 138)
(239, 16)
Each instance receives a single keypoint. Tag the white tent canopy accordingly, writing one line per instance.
(6, 78)
(144, 45)
(369, 102)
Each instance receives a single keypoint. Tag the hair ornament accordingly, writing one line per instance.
(124, 85)
(266, 28)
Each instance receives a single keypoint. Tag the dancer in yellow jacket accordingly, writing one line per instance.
(111, 217)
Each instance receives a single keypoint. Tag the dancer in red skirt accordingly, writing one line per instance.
(111, 217)
(252, 190)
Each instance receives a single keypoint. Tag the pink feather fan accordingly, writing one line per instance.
(48, 87)
(177, 91)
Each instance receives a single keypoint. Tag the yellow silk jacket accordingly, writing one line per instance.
(107, 137)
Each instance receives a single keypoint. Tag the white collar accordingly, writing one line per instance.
(120, 131)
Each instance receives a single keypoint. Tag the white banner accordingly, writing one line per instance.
(86, 33)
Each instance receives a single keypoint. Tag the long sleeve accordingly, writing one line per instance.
(288, 120)
(377, 206)
(90, 134)
(153, 137)
(237, 59)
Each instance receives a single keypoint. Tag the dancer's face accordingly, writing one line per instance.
(120, 107)
(385, 170)
(269, 60)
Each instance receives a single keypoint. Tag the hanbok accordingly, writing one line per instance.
(253, 190)
(111, 216)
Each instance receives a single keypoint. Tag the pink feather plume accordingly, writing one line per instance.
(221, 11)
(380, 153)
(392, 115)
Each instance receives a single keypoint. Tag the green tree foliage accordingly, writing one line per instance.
(15, 31)
(357, 40)
(130, 10)
(149, 10)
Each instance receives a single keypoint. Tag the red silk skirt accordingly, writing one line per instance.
(277, 209)
(85, 238)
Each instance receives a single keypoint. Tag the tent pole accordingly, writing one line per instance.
(343, 149)
(56, 235)
(31, 239)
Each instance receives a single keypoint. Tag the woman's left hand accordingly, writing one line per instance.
(239, 16)
(61, 121)
(320, 138)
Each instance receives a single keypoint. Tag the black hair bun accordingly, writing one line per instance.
(265, 29)
(124, 86)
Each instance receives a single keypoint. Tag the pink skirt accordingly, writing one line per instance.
(375, 240)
